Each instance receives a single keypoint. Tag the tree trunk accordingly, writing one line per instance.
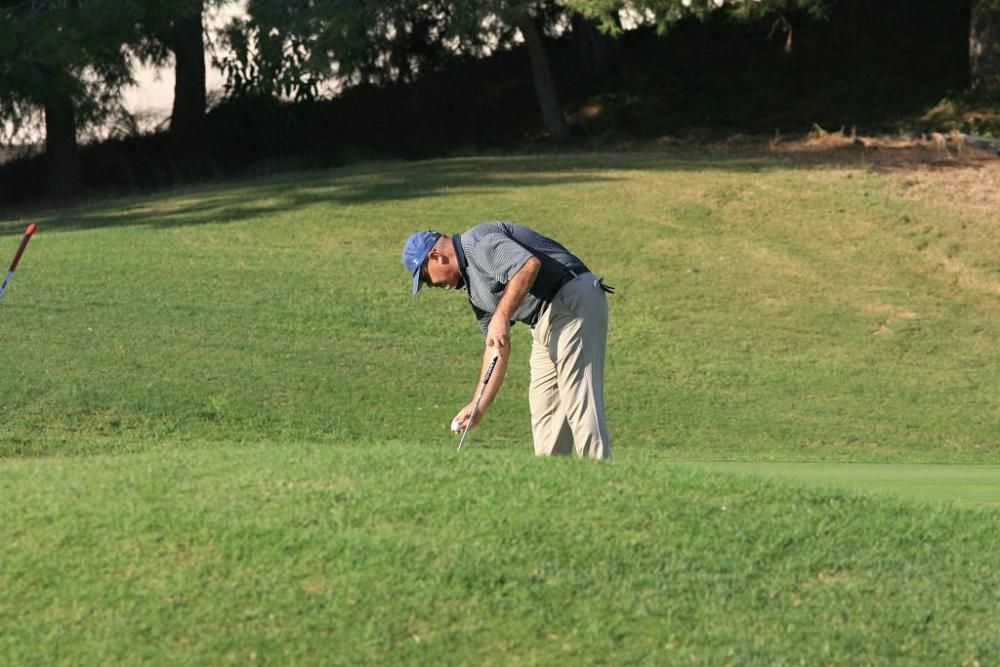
(61, 152)
(545, 87)
(187, 120)
(984, 45)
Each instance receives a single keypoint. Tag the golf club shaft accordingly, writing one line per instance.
(17, 257)
(475, 406)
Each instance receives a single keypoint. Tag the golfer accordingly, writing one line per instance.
(514, 274)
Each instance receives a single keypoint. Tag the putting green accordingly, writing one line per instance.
(964, 485)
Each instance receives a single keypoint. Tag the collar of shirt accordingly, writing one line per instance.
(463, 263)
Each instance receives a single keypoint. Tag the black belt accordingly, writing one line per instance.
(572, 274)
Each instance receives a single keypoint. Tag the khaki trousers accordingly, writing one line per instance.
(566, 394)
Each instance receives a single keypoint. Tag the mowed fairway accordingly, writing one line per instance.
(966, 485)
(224, 425)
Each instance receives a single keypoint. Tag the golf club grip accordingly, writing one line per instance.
(20, 248)
(489, 371)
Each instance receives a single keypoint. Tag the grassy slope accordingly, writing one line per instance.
(294, 497)
(766, 312)
(407, 554)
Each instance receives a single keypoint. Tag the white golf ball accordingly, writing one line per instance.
(455, 427)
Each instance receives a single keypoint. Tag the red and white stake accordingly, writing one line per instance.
(17, 257)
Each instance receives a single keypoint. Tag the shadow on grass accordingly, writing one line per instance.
(249, 199)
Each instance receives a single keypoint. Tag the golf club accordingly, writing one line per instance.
(17, 257)
(475, 406)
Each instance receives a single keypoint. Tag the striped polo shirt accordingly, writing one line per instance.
(491, 253)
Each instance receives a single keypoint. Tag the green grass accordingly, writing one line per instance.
(403, 553)
(224, 425)
(765, 312)
(962, 485)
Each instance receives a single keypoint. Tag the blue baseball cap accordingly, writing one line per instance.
(415, 252)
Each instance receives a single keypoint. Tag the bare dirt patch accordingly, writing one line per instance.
(969, 187)
(946, 151)
(954, 189)
(937, 169)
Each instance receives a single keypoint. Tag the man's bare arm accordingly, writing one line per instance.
(498, 333)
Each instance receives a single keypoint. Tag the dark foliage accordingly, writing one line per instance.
(874, 64)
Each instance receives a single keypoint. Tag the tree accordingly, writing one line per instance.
(984, 44)
(177, 29)
(541, 70)
(291, 48)
(65, 60)
(530, 17)
(467, 21)
(666, 13)
(288, 49)
(187, 118)
(984, 27)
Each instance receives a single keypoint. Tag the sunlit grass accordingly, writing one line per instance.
(764, 311)
(224, 425)
(407, 554)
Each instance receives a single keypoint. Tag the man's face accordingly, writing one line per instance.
(439, 271)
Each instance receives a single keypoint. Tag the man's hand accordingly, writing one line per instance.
(498, 333)
(462, 418)
(486, 391)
